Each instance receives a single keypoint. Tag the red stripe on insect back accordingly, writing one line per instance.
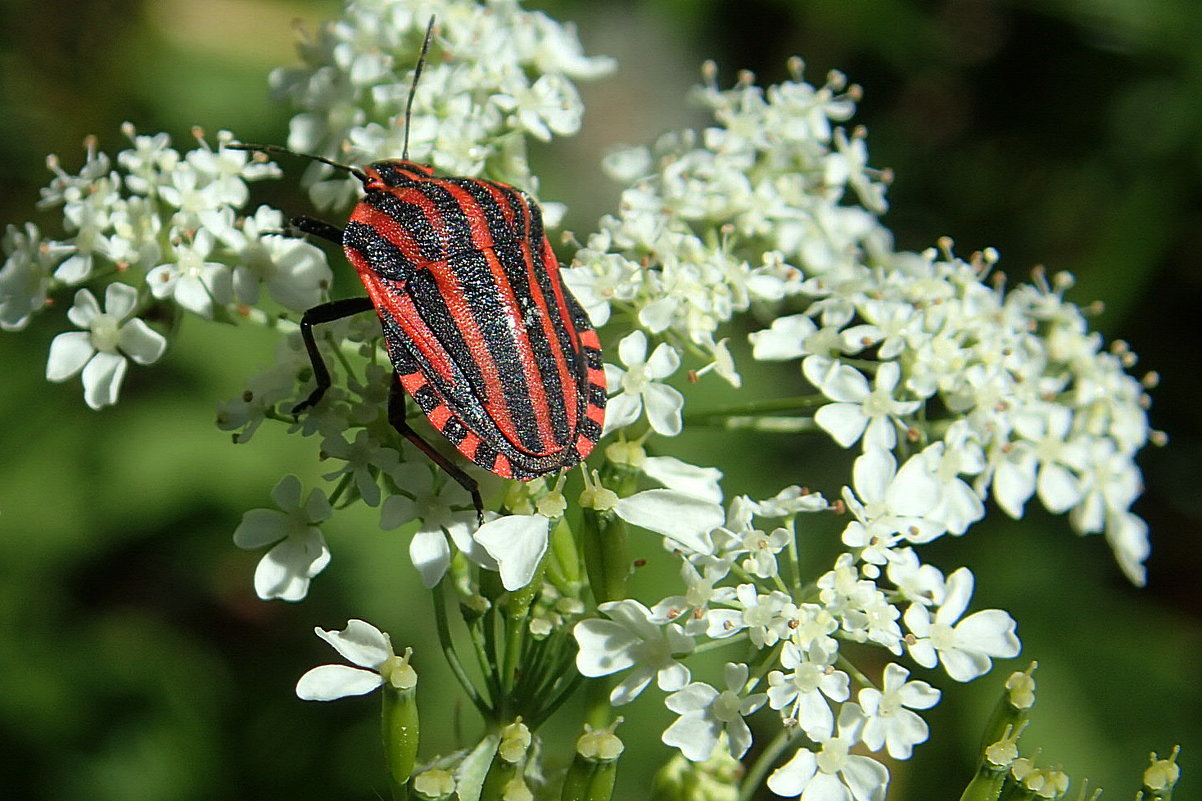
(400, 307)
(397, 232)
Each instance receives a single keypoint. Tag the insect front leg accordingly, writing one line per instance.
(396, 416)
(325, 313)
(319, 228)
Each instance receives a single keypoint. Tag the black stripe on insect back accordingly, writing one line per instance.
(383, 256)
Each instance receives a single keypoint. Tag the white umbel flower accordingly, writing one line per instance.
(102, 351)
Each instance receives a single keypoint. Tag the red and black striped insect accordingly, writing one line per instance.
(480, 328)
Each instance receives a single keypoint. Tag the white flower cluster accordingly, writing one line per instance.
(1002, 394)
(496, 70)
(156, 229)
(715, 220)
(742, 583)
(1009, 391)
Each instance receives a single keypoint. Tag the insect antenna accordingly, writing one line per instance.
(417, 73)
(355, 171)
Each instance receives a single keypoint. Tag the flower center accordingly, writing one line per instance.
(106, 333)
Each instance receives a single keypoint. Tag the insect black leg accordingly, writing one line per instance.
(396, 416)
(320, 228)
(325, 313)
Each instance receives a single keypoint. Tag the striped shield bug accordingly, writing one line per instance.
(478, 324)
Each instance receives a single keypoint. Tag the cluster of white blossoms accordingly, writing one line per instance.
(159, 231)
(1002, 394)
(499, 74)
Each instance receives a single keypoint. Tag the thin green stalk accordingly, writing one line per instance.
(442, 623)
(755, 777)
(768, 406)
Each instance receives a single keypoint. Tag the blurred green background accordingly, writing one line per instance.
(135, 662)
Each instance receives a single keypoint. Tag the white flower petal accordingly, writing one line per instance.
(663, 362)
(85, 310)
(696, 736)
(701, 482)
(430, 554)
(664, 404)
(682, 518)
(119, 300)
(102, 377)
(260, 527)
(360, 643)
(140, 342)
(284, 571)
(517, 543)
(632, 349)
(330, 682)
(845, 422)
(69, 352)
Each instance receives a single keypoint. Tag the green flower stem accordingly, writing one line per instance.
(564, 565)
(448, 651)
(516, 607)
(601, 783)
(767, 758)
(568, 690)
(986, 785)
(606, 559)
(336, 495)
(751, 408)
(854, 671)
(794, 557)
(577, 780)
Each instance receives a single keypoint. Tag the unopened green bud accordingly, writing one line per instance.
(1161, 775)
(626, 454)
(515, 741)
(434, 785)
(1013, 708)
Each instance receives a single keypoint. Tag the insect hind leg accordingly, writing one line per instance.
(396, 416)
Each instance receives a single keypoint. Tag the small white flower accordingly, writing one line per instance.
(191, 280)
(24, 277)
(294, 271)
(857, 409)
(632, 638)
(362, 644)
(965, 647)
(804, 690)
(765, 616)
(705, 714)
(833, 773)
(101, 351)
(365, 458)
(299, 551)
(434, 512)
(890, 723)
(637, 386)
(890, 505)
